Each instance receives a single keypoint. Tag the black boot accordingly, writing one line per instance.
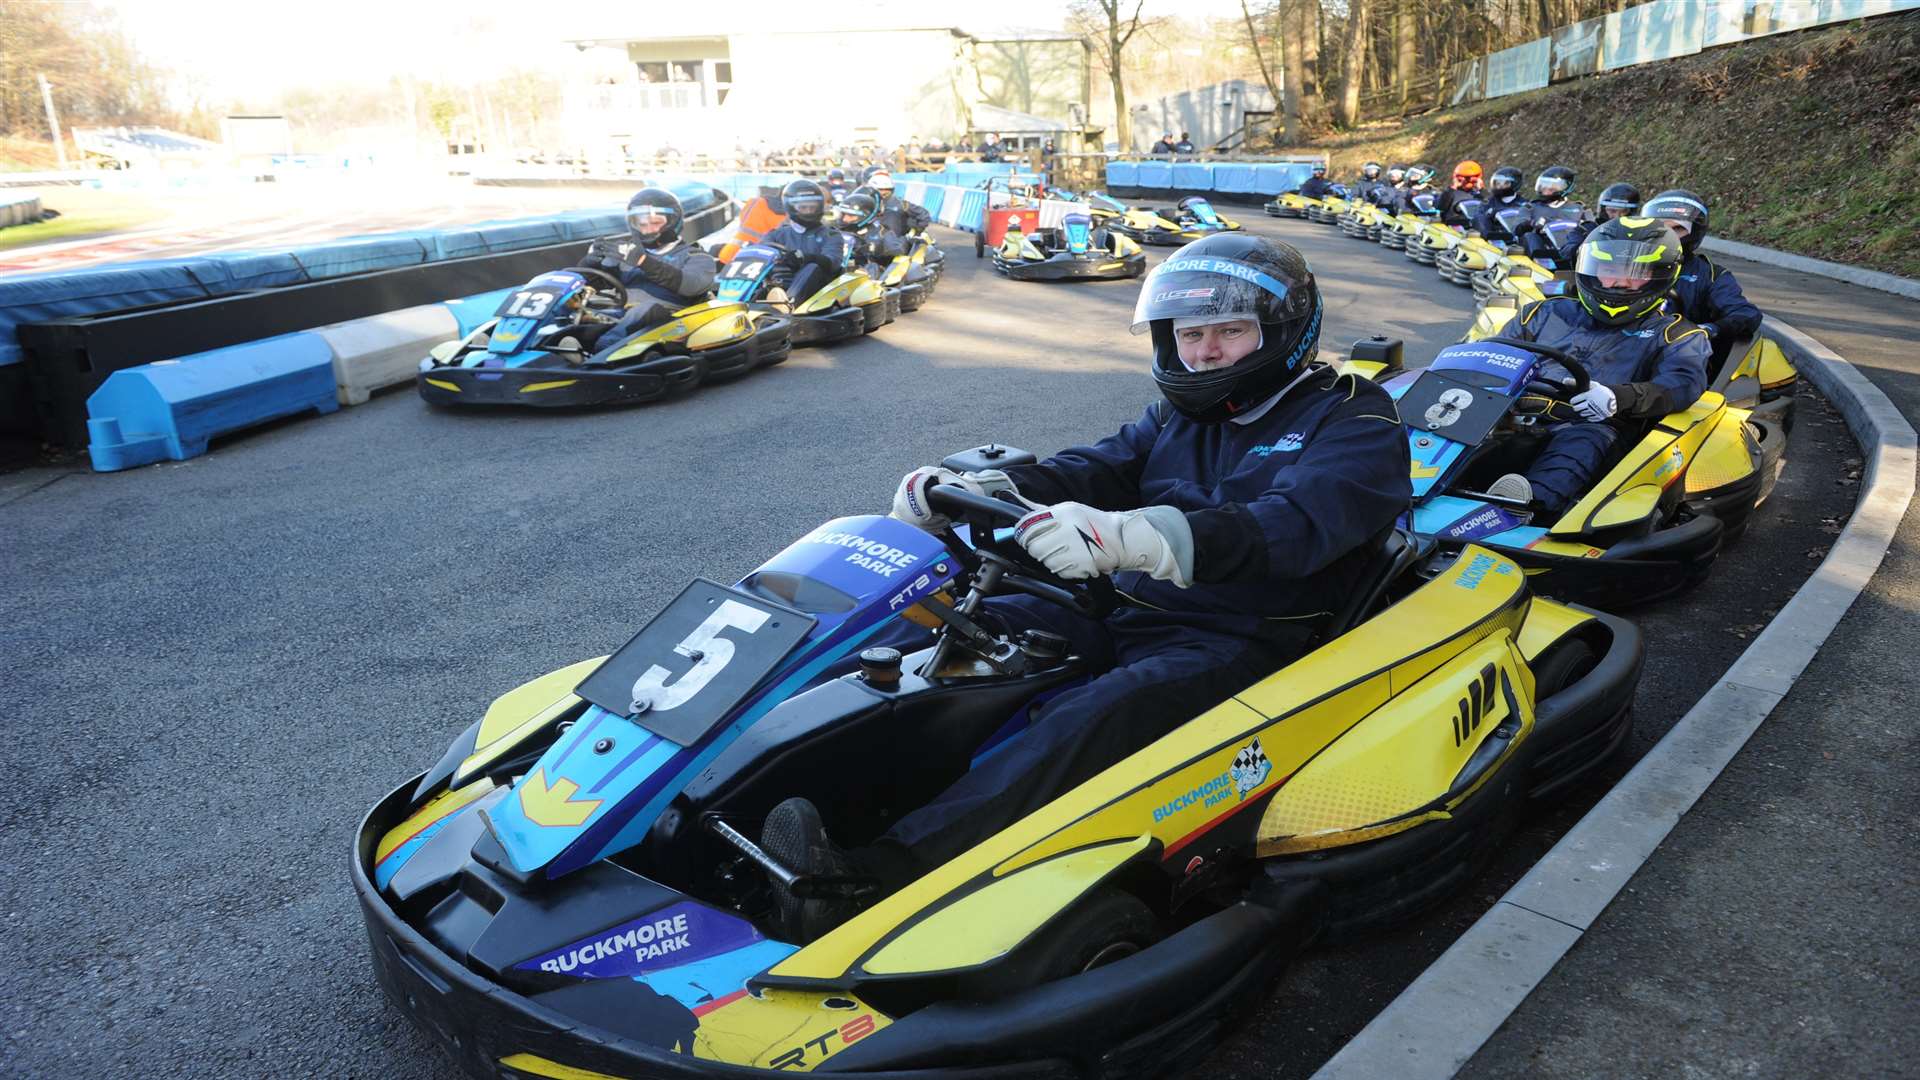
(795, 838)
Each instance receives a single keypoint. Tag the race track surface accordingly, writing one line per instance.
(214, 666)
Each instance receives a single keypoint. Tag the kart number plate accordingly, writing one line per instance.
(687, 669)
(1451, 409)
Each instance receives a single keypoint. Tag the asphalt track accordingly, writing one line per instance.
(214, 666)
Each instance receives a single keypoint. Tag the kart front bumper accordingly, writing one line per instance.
(839, 324)
(588, 385)
(1140, 1016)
(1068, 268)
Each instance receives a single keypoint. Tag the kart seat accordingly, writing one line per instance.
(1394, 554)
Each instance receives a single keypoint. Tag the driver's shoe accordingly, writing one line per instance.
(794, 836)
(1512, 486)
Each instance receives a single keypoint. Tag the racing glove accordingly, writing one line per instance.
(1596, 403)
(910, 499)
(1077, 541)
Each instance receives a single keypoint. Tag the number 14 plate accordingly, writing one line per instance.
(689, 668)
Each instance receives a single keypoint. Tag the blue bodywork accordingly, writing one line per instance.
(1078, 229)
(740, 281)
(547, 301)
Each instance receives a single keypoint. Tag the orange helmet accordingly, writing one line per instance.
(1466, 176)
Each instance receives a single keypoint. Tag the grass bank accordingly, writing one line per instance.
(1807, 142)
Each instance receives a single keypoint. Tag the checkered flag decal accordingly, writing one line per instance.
(1250, 767)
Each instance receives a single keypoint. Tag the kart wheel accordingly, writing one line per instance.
(1561, 666)
(979, 246)
(1106, 925)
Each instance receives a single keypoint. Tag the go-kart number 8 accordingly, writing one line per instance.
(710, 653)
(529, 305)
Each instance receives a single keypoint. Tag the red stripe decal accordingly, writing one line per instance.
(702, 1010)
(1209, 826)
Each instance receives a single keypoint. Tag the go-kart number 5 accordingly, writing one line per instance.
(706, 648)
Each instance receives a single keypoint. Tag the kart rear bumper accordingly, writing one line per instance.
(1068, 268)
(1139, 1016)
(589, 385)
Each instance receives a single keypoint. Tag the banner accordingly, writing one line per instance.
(1576, 50)
(1729, 21)
(1523, 67)
(1660, 30)
(1469, 82)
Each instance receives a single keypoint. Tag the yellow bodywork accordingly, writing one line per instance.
(1171, 793)
(521, 712)
(701, 326)
(849, 289)
(1631, 491)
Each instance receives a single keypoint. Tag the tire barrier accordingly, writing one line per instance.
(170, 409)
(377, 352)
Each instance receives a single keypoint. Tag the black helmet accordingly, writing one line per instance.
(1683, 208)
(1555, 182)
(1396, 173)
(836, 173)
(1231, 274)
(1505, 181)
(1622, 196)
(650, 205)
(1371, 170)
(1640, 255)
(1419, 174)
(857, 210)
(804, 201)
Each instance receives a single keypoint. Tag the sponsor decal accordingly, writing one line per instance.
(1488, 357)
(1250, 768)
(1478, 568)
(1639, 333)
(1293, 441)
(1689, 277)
(805, 1054)
(670, 937)
(1490, 520)
(1209, 792)
(1182, 294)
(1448, 410)
(883, 559)
(1671, 466)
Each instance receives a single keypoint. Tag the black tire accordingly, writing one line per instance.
(1106, 925)
(979, 246)
(1562, 665)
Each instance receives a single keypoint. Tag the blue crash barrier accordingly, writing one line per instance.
(1123, 174)
(171, 408)
(508, 236)
(1235, 179)
(1274, 179)
(1155, 174)
(52, 296)
(1252, 178)
(359, 256)
(1193, 176)
(972, 212)
(935, 197)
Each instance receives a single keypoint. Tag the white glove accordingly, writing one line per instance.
(1596, 402)
(910, 499)
(1076, 541)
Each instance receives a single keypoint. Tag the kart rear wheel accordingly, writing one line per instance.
(1108, 924)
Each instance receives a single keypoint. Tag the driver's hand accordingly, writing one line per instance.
(1596, 402)
(1075, 541)
(910, 499)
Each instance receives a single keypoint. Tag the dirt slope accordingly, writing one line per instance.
(1808, 142)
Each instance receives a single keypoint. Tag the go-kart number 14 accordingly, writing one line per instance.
(706, 648)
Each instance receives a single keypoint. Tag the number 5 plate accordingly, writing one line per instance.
(696, 661)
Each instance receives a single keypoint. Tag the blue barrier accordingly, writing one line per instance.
(1234, 179)
(935, 196)
(171, 408)
(972, 214)
(1275, 178)
(1193, 176)
(359, 255)
(1123, 174)
(1155, 174)
(471, 311)
(37, 299)
(1252, 178)
(508, 236)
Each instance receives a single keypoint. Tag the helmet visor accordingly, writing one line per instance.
(1550, 185)
(1204, 287)
(1625, 263)
(648, 220)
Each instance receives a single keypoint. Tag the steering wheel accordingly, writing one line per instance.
(1565, 390)
(1093, 597)
(599, 278)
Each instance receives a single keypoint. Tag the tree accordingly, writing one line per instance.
(1300, 58)
(1289, 110)
(1353, 57)
(1110, 28)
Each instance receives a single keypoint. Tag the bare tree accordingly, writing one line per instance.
(1110, 27)
(1353, 61)
(1300, 59)
(1289, 110)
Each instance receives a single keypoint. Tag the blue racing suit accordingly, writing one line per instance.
(901, 217)
(1284, 512)
(1654, 366)
(1711, 299)
(663, 280)
(1316, 187)
(1403, 200)
(813, 256)
(1542, 244)
(1488, 224)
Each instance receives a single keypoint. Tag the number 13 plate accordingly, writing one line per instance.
(695, 661)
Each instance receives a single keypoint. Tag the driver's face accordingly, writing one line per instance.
(1220, 345)
(648, 225)
(1610, 282)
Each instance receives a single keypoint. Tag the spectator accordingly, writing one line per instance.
(1184, 146)
(1164, 146)
(992, 151)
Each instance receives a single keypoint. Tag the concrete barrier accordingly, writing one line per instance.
(382, 350)
(19, 211)
(171, 408)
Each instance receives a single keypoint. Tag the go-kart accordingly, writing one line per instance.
(1192, 219)
(1290, 204)
(1402, 229)
(851, 304)
(909, 274)
(540, 347)
(1327, 209)
(1436, 238)
(1651, 524)
(1363, 220)
(1076, 251)
(1478, 254)
(575, 888)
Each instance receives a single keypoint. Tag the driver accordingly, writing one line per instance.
(897, 216)
(1706, 293)
(1233, 515)
(1553, 195)
(1463, 196)
(1419, 181)
(1317, 185)
(812, 253)
(867, 241)
(653, 263)
(1503, 193)
(1616, 200)
(1644, 362)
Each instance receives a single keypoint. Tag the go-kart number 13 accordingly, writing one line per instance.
(706, 648)
(529, 305)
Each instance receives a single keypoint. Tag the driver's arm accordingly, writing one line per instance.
(1679, 374)
(1729, 309)
(690, 274)
(1105, 476)
(917, 217)
(1347, 486)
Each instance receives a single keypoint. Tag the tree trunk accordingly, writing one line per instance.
(1122, 123)
(1303, 59)
(1288, 117)
(1354, 58)
(1404, 51)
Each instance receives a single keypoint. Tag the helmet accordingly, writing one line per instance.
(1623, 197)
(1319, 168)
(857, 210)
(1685, 211)
(1554, 183)
(836, 173)
(1419, 174)
(1504, 181)
(881, 181)
(1396, 174)
(1641, 258)
(805, 201)
(1466, 176)
(656, 208)
(1371, 170)
(1228, 275)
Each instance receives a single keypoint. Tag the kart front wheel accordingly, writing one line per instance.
(1561, 666)
(1108, 924)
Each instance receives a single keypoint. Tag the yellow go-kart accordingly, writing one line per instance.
(1192, 219)
(1363, 220)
